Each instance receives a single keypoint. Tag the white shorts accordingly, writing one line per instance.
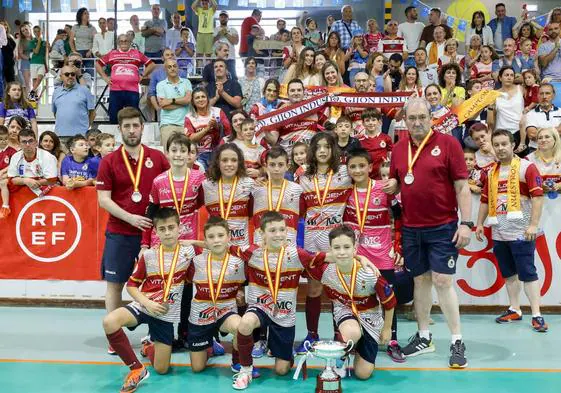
(36, 70)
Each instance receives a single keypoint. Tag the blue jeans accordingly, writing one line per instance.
(87, 64)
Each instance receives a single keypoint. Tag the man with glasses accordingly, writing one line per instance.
(32, 167)
(125, 75)
(431, 234)
(73, 105)
(173, 95)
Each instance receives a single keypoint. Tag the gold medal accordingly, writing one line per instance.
(226, 213)
(350, 291)
(135, 178)
(411, 160)
(167, 283)
(270, 196)
(179, 204)
(214, 296)
(274, 289)
(361, 217)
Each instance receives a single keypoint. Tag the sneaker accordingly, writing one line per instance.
(110, 350)
(539, 325)
(457, 355)
(418, 345)
(217, 348)
(395, 353)
(133, 379)
(5, 212)
(270, 354)
(145, 346)
(241, 380)
(259, 349)
(237, 367)
(508, 316)
(310, 338)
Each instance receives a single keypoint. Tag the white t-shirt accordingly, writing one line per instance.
(509, 111)
(411, 32)
(43, 166)
(231, 32)
(540, 119)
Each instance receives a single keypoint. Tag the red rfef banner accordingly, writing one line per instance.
(58, 236)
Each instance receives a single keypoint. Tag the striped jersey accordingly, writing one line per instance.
(238, 219)
(289, 208)
(252, 155)
(322, 219)
(161, 195)
(301, 130)
(294, 262)
(147, 277)
(203, 311)
(371, 294)
(194, 123)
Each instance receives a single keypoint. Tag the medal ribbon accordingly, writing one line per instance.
(134, 179)
(169, 281)
(226, 214)
(321, 198)
(361, 218)
(350, 291)
(215, 295)
(179, 205)
(270, 195)
(274, 290)
(412, 161)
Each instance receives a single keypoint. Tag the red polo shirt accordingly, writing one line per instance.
(431, 199)
(379, 147)
(113, 176)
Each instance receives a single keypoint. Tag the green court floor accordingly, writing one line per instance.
(48, 350)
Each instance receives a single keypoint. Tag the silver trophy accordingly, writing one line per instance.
(328, 381)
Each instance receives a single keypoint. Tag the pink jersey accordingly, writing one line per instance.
(125, 67)
(375, 241)
(195, 123)
(322, 219)
(241, 209)
(203, 310)
(161, 195)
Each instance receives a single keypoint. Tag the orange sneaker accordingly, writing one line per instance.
(133, 379)
(5, 212)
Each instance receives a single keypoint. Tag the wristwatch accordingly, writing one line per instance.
(468, 224)
(173, 101)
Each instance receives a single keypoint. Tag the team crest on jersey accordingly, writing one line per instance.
(383, 144)
(85, 167)
(377, 201)
(149, 164)
(7, 160)
(37, 168)
(436, 151)
(451, 263)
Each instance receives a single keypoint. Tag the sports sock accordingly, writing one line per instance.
(456, 337)
(235, 356)
(519, 312)
(245, 346)
(313, 310)
(122, 346)
(424, 334)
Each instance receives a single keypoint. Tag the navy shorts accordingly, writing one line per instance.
(119, 256)
(160, 331)
(280, 339)
(516, 257)
(430, 248)
(200, 337)
(120, 99)
(367, 347)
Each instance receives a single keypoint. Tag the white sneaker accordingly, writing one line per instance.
(146, 340)
(242, 379)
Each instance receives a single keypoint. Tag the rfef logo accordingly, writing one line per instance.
(48, 229)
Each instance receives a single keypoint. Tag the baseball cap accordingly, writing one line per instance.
(223, 12)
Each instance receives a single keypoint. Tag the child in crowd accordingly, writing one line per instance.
(482, 70)
(376, 143)
(373, 37)
(156, 285)
(104, 144)
(15, 104)
(298, 160)
(313, 35)
(475, 182)
(531, 90)
(343, 131)
(6, 152)
(57, 50)
(284, 37)
(75, 169)
(91, 136)
(527, 59)
(252, 152)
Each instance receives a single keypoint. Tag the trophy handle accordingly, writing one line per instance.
(307, 346)
(349, 348)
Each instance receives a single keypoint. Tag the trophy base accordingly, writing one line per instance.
(328, 385)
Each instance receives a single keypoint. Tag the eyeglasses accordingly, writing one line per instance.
(69, 74)
(27, 142)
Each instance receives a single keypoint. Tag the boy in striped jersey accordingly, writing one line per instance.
(156, 285)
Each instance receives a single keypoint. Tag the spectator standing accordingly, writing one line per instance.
(434, 21)
(392, 43)
(502, 26)
(15, 104)
(8, 56)
(221, 51)
(281, 26)
(24, 54)
(205, 10)
(124, 181)
(251, 85)
(139, 39)
(247, 23)
(154, 33)
(173, 35)
(229, 36)
(125, 76)
(479, 28)
(73, 106)
(346, 27)
(514, 184)
(81, 38)
(3, 43)
(185, 50)
(225, 92)
(549, 55)
(411, 30)
(39, 48)
(104, 41)
(158, 75)
(440, 235)
(427, 75)
(174, 96)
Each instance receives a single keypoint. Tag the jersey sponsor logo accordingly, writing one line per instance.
(48, 229)
(237, 233)
(284, 306)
